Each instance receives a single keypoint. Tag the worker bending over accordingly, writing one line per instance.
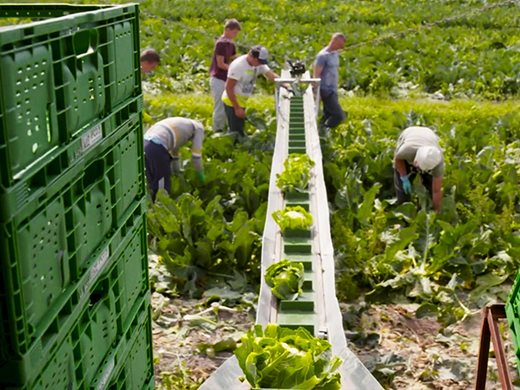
(418, 152)
(161, 147)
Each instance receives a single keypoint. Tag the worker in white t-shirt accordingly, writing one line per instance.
(418, 152)
(241, 79)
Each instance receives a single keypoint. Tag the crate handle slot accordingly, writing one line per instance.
(85, 43)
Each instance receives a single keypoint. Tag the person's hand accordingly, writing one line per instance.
(201, 177)
(287, 86)
(240, 112)
(407, 186)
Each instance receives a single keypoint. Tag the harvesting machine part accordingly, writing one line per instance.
(297, 68)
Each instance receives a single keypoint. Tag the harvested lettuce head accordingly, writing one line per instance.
(285, 278)
(297, 173)
(283, 358)
(293, 218)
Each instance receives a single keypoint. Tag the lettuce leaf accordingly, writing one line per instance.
(283, 358)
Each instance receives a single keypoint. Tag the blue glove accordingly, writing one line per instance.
(407, 186)
(202, 177)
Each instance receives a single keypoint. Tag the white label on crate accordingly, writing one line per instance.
(97, 267)
(91, 137)
(105, 376)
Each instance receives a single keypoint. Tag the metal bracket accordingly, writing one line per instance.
(295, 85)
(491, 315)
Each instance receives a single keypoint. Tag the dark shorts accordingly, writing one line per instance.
(157, 164)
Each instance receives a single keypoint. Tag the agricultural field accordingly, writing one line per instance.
(411, 282)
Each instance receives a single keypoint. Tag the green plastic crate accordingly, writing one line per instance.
(513, 317)
(60, 75)
(94, 316)
(130, 364)
(38, 295)
(80, 361)
(67, 161)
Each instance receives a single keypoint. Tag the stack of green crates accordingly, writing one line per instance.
(74, 296)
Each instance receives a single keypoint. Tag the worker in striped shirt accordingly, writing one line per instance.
(162, 143)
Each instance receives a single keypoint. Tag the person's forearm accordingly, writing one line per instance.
(233, 98)
(400, 166)
(271, 75)
(221, 63)
(316, 72)
(197, 163)
(436, 200)
(175, 165)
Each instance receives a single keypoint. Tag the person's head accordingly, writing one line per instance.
(427, 158)
(149, 60)
(337, 41)
(231, 28)
(258, 55)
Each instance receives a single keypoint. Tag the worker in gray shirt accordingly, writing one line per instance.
(326, 67)
(162, 143)
(418, 152)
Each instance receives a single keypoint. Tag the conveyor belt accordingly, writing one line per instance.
(324, 316)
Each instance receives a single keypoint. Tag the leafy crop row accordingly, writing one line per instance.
(208, 234)
(452, 49)
(471, 247)
(476, 56)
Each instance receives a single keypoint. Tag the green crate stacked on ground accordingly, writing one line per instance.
(74, 284)
(513, 317)
(60, 77)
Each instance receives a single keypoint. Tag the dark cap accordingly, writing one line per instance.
(260, 53)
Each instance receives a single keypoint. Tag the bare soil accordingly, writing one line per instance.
(402, 351)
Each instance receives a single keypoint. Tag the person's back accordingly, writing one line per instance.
(174, 132)
(326, 68)
(329, 74)
(418, 153)
(162, 142)
(412, 139)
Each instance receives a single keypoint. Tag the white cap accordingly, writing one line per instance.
(427, 157)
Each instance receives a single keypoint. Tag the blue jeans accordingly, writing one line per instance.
(236, 124)
(157, 164)
(333, 114)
